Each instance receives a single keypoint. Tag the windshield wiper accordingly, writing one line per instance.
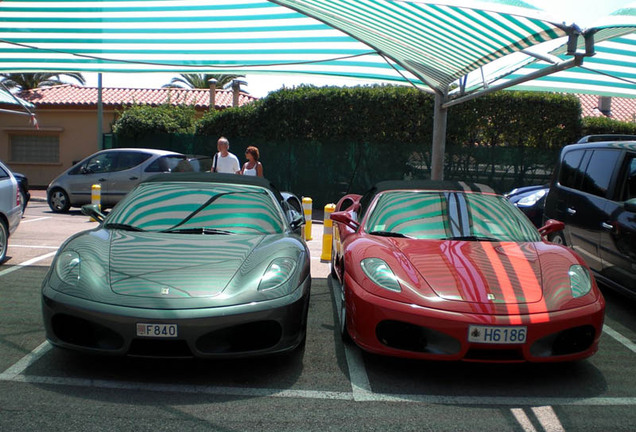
(390, 234)
(123, 227)
(197, 230)
(473, 238)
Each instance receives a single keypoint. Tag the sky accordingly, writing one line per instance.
(581, 12)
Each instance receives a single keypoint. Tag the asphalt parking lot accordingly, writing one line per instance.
(327, 385)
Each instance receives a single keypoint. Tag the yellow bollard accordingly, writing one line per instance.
(327, 233)
(96, 197)
(307, 210)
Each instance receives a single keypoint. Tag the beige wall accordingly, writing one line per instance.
(77, 131)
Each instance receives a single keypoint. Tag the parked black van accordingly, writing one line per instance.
(593, 192)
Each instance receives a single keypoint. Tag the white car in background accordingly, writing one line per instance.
(10, 208)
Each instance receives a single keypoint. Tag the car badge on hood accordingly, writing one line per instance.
(491, 297)
(165, 291)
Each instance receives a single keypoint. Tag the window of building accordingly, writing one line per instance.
(36, 148)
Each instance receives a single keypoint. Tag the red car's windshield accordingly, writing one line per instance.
(448, 215)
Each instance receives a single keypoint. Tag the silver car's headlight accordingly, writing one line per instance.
(67, 267)
(580, 280)
(278, 272)
(380, 273)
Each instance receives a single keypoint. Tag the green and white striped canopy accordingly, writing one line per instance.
(611, 71)
(430, 44)
(426, 42)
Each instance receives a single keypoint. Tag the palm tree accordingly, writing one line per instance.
(200, 81)
(28, 81)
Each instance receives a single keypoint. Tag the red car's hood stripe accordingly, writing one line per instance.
(482, 273)
(505, 286)
(469, 280)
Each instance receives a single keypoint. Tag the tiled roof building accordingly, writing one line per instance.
(622, 109)
(67, 127)
(70, 95)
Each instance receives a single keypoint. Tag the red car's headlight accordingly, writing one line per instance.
(580, 281)
(380, 273)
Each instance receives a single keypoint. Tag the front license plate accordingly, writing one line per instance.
(497, 335)
(157, 330)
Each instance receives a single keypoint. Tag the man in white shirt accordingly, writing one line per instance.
(224, 161)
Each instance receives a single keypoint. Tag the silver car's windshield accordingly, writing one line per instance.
(198, 208)
(449, 216)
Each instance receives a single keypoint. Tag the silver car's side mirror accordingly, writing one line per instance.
(296, 220)
(93, 211)
(630, 205)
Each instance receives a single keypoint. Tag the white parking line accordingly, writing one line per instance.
(34, 247)
(16, 374)
(26, 361)
(545, 416)
(548, 419)
(34, 220)
(357, 373)
(314, 394)
(26, 263)
(620, 338)
(523, 420)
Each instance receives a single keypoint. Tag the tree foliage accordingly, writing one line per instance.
(395, 114)
(516, 119)
(200, 81)
(138, 121)
(29, 81)
(604, 125)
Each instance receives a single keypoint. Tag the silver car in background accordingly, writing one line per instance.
(116, 170)
(10, 208)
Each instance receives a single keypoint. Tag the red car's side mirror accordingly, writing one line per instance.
(350, 202)
(551, 226)
(345, 218)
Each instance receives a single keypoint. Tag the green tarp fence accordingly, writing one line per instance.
(325, 171)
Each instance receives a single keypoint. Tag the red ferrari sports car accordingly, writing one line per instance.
(452, 271)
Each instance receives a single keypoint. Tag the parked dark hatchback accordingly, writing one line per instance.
(606, 137)
(23, 189)
(593, 192)
(530, 200)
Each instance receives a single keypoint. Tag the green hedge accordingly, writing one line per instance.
(139, 121)
(377, 114)
(604, 125)
(325, 140)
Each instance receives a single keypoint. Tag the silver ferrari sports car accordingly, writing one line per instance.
(187, 264)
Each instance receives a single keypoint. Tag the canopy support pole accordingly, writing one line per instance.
(439, 135)
(100, 113)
